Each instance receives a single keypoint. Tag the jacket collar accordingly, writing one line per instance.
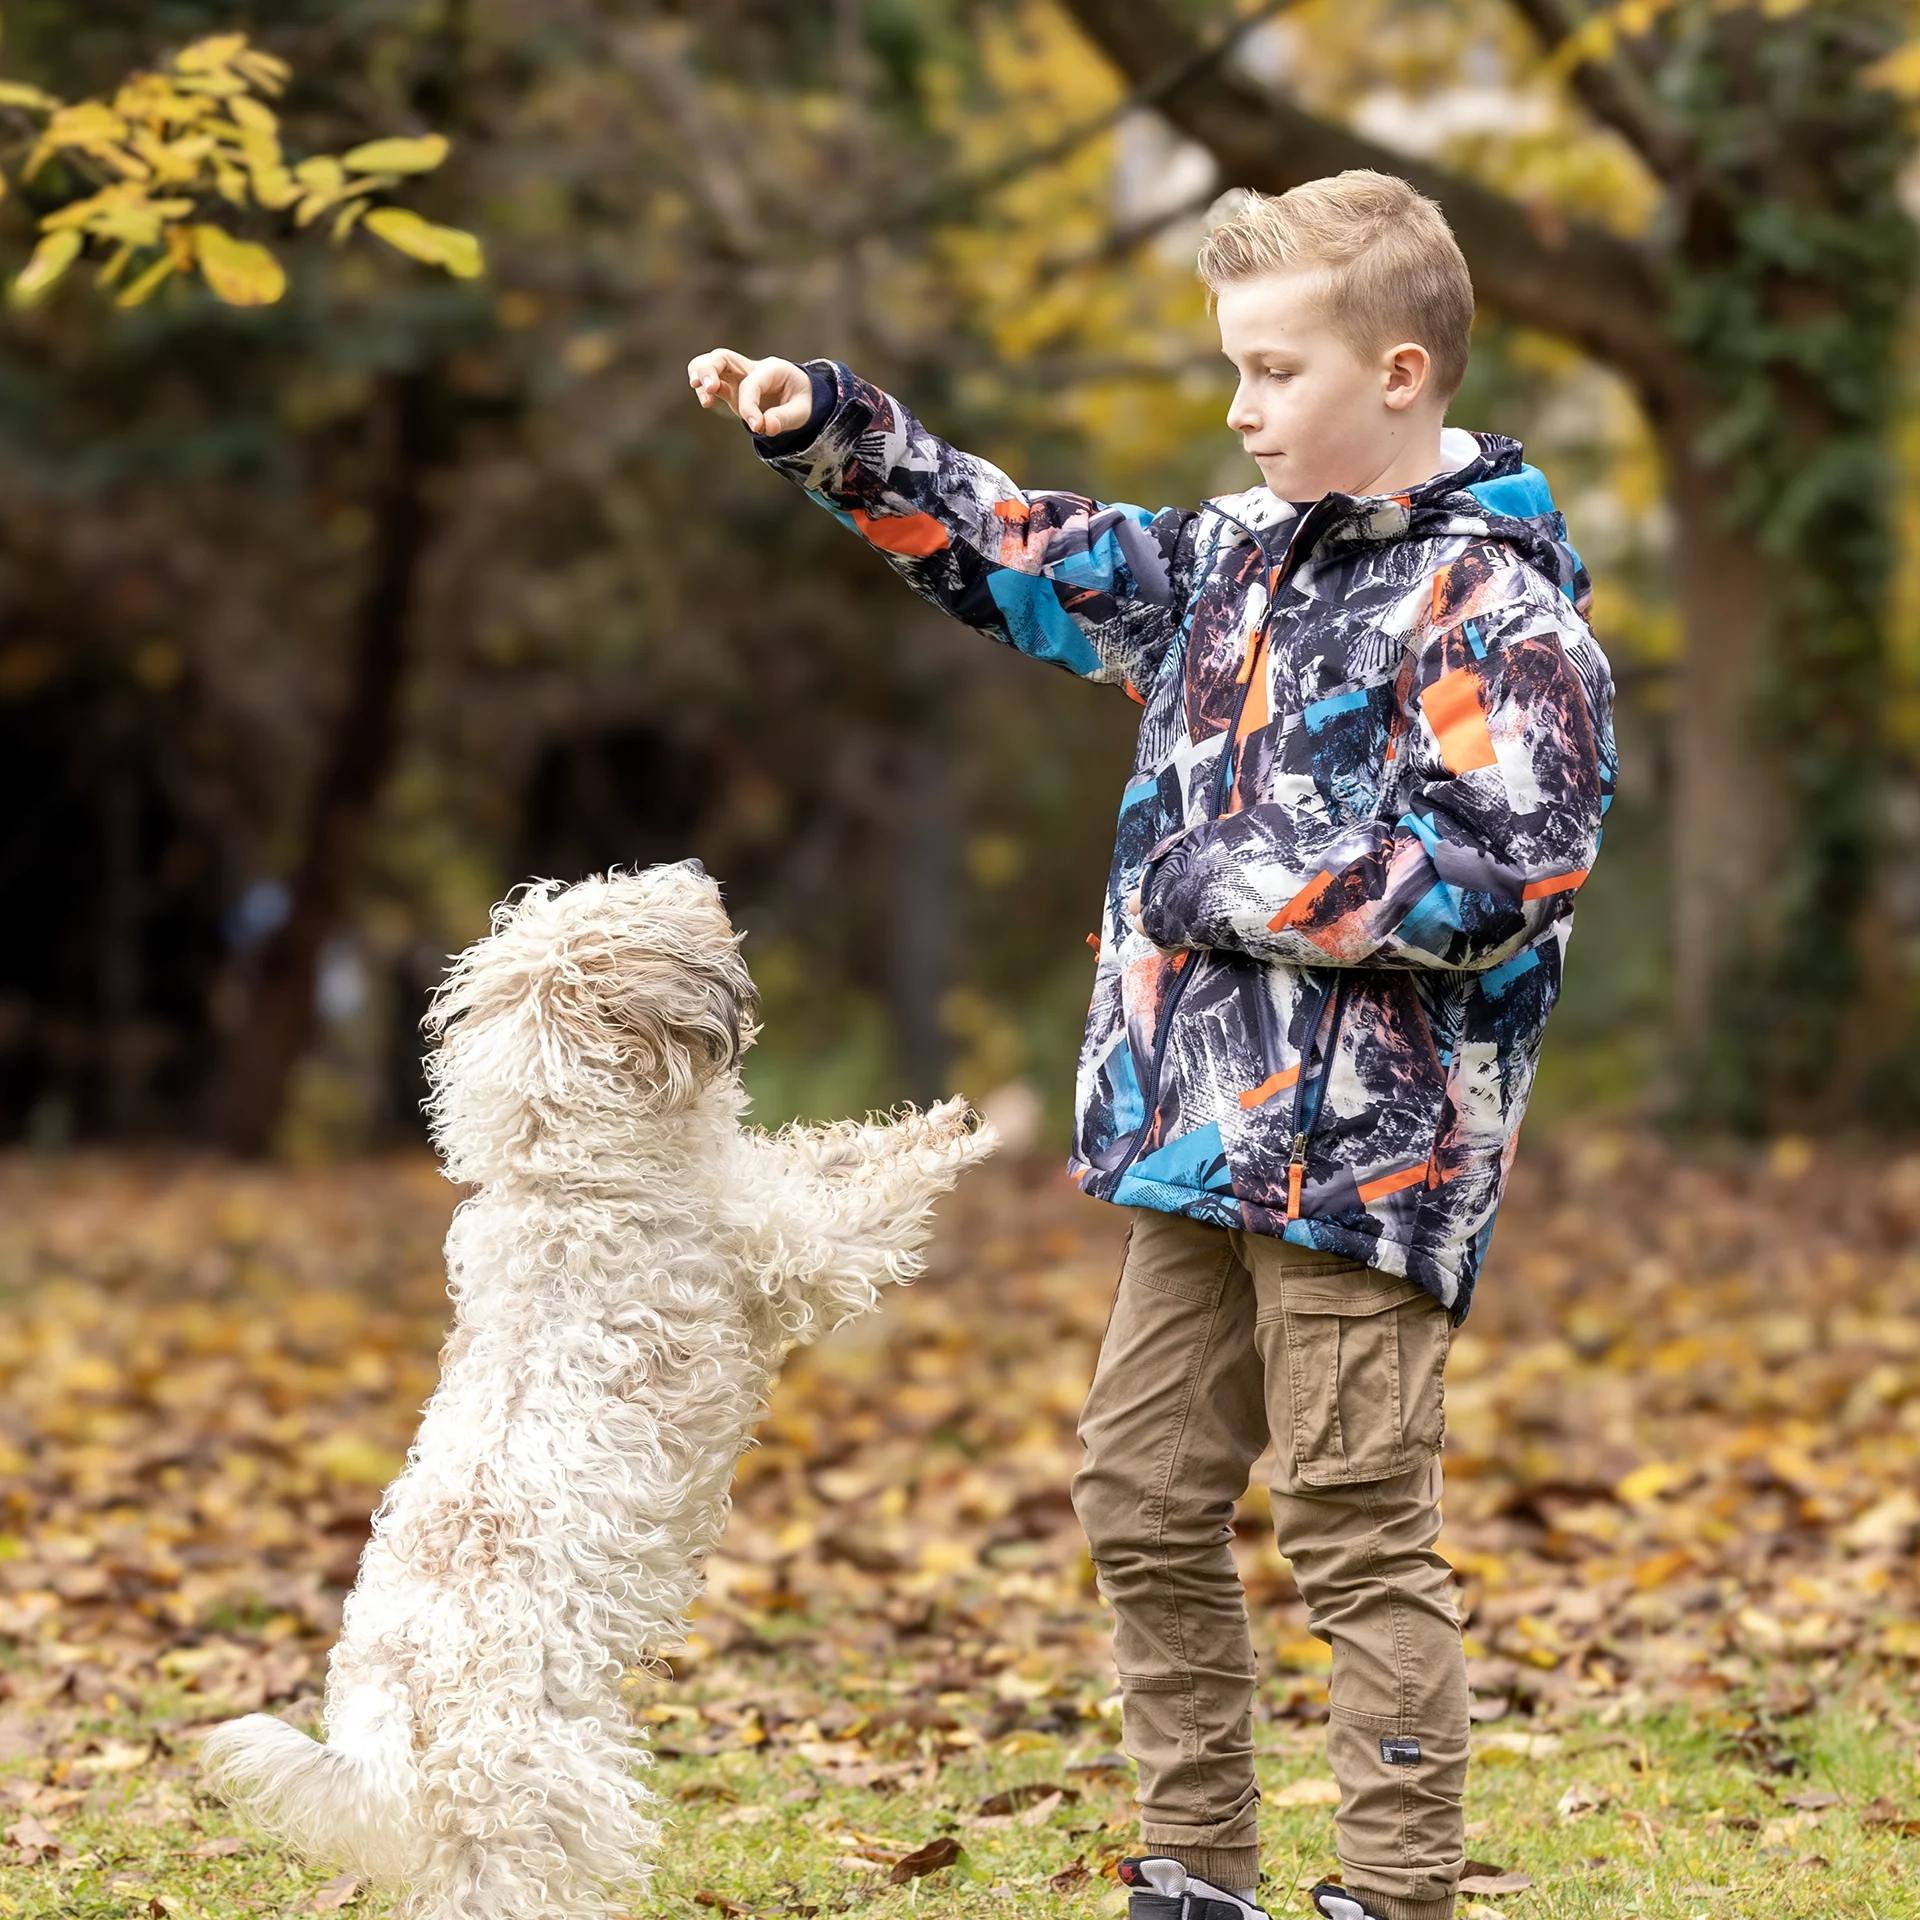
(1488, 493)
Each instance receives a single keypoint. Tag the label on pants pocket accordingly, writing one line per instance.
(1397, 1752)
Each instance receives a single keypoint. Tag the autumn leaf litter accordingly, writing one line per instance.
(1684, 1434)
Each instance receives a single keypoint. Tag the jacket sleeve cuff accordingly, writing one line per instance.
(1162, 918)
(826, 396)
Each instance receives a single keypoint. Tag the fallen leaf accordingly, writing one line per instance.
(1072, 1877)
(115, 1756)
(1810, 1799)
(35, 1841)
(1306, 1793)
(931, 1858)
(1883, 1816)
(1014, 1799)
(706, 1897)
(1522, 1746)
(1042, 1811)
(335, 1894)
(222, 1849)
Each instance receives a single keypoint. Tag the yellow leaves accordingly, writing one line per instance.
(223, 53)
(354, 1461)
(1306, 1793)
(144, 285)
(1898, 72)
(1660, 1569)
(1302, 1653)
(92, 128)
(397, 156)
(125, 214)
(1654, 1479)
(239, 272)
(15, 93)
(323, 174)
(177, 140)
(445, 247)
(1902, 1640)
(55, 253)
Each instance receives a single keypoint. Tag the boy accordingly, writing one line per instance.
(1375, 748)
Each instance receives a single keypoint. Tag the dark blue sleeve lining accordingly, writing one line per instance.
(826, 396)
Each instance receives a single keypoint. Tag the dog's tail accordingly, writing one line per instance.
(351, 1800)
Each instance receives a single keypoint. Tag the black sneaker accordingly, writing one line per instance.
(1333, 1902)
(1164, 1890)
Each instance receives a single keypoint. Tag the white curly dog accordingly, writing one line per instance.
(625, 1282)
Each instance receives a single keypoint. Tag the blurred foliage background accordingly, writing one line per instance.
(324, 623)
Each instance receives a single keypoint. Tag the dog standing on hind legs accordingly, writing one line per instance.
(626, 1279)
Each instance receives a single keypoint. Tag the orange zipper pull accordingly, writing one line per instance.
(1296, 1174)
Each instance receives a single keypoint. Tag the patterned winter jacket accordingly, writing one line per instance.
(1375, 750)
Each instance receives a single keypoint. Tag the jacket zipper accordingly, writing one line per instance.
(1310, 1090)
(1222, 786)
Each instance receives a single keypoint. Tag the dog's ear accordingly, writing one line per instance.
(585, 1009)
(683, 1013)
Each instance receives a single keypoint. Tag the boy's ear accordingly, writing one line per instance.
(1408, 368)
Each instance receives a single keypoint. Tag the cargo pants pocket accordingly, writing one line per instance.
(1365, 1376)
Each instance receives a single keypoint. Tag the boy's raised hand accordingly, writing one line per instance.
(771, 396)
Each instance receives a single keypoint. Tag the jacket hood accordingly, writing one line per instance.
(1488, 493)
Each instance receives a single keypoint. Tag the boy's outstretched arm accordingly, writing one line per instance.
(1098, 589)
(1509, 767)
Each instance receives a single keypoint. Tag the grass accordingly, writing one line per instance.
(1683, 1820)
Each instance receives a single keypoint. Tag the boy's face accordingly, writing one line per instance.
(1316, 416)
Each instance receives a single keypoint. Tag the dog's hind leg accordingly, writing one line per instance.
(533, 1817)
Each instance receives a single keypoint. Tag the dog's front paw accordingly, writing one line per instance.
(953, 1123)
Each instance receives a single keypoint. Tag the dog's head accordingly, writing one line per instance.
(586, 1008)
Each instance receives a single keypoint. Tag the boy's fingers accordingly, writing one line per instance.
(769, 402)
(788, 417)
(716, 375)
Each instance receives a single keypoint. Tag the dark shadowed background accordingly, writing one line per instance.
(324, 624)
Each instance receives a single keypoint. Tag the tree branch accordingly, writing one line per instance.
(1565, 277)
(1614, 93)
(1190, 62)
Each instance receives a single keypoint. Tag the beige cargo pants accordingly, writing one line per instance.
(1218, 1340)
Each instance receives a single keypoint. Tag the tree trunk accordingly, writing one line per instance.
(923, 924)
(360, 751)
(1729, 813)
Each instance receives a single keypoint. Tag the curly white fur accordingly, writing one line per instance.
(625, 1282)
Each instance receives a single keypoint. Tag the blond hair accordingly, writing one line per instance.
(1394, 270)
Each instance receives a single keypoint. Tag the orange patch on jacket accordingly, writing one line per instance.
(1371, 1190)
(1452, 707)
(1301, 905)
(912, 535)
(1272, 1084)
(1554, 883)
